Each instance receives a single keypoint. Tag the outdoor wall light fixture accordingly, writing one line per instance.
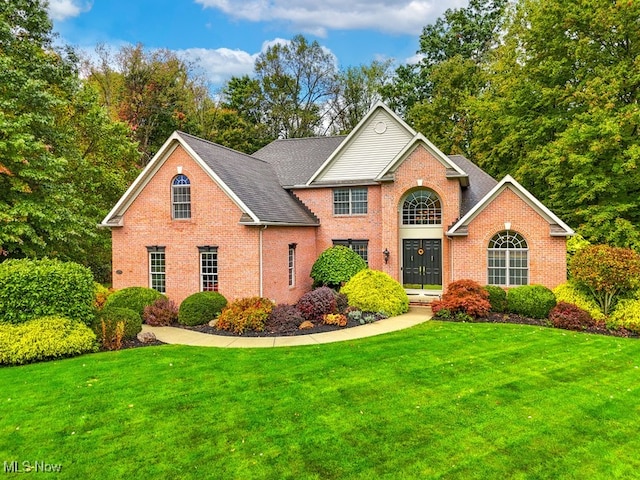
(386, 255)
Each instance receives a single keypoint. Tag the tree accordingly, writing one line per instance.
(296, 79)
(357, 90)
(607, 272)
(561, 112)
(469, 33)
(61, 158)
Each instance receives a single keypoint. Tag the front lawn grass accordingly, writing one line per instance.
(441, 400)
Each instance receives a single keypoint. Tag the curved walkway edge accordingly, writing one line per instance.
(181, 336)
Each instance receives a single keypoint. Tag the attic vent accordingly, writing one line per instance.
(380, 127)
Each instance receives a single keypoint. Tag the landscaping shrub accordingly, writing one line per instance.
(570, 317)
(375, 291)
(497, 298)
(284, 318)
(200, 308)
(44, 339)
(626, 315)
(41, 288)
(463, 296)
(571, 293)
(245, 314)
(606, 272)
(533, 301)
(342, 302)
(335, 266)
(335, 319)
(101, 295)
(111, 316)
(133, 298)
(160, 313)
(314, 305)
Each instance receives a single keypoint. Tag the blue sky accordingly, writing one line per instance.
(224, 37)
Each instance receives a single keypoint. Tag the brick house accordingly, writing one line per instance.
(204, 217)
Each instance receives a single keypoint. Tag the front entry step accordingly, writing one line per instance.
(422, 297)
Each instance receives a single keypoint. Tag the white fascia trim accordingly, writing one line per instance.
(431, 148)
(356, 132)
(154, 165)
(522, 193)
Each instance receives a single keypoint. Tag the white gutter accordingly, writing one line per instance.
(261, 260)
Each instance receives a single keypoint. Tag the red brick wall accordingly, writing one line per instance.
(341, 227)
(547, 254)
(276, 242)
(214, 221)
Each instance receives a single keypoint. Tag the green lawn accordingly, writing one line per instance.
(441, 400)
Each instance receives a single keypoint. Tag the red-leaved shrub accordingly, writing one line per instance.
(571, 317)
(464, 296)
(314, 305)
(160, 313)
(284, 318)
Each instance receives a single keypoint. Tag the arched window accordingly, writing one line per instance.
(422, 207)
(508, 259)
(181, 197)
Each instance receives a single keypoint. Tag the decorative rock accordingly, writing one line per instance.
(213, 322)
(305, 325)
(146, 337)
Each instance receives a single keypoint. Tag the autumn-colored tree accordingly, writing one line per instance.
(606, 272)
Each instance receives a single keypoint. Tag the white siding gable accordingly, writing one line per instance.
(376, 144)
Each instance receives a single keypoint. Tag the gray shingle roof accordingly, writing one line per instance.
(480, 183)
(253, 181)
(295, 160)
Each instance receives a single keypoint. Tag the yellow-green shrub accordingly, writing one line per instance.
(375, 291)
(626, 315)
(571, 293)
(245, 314)
(44, 339)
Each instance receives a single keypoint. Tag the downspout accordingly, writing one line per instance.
(261, 260)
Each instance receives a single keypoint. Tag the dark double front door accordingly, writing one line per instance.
(421, 263)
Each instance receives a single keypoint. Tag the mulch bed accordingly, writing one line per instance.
(600, 328)
(281, 330)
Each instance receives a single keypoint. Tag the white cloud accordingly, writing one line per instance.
(311, 16)
(63, 9)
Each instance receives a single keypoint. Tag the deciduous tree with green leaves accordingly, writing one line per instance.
(607, 272)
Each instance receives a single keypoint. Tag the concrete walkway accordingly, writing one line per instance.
(181, 336)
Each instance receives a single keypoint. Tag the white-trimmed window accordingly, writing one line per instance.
(208, 269)
(157, 269)
(422, 207)
(508, 259)
(181, 197)
(292, 264)
(350, 201)
(361, 247)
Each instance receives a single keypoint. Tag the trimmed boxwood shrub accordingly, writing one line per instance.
(133, 298)
(533, 301)
(335, 266)
(111, 316)
(570, 317)
(245, 314)
(375, 291)
(44, 339)
(314, 305)
(40, 288)
(497, 298)
(463, 298)
(572, 293)
(200, 308)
